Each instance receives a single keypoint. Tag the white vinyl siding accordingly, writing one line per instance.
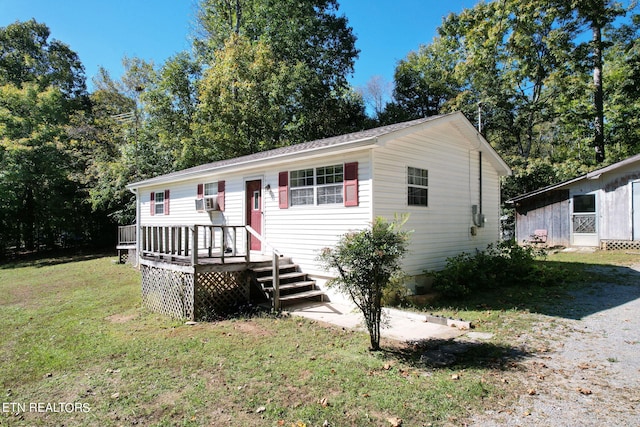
(302, 231)
(299, 233)
(442, 230)
(439, 231)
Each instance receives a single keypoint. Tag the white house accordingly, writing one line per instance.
(302, 198)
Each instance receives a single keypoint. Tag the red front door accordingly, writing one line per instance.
(254, 211)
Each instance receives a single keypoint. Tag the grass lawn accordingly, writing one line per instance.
(77, 348)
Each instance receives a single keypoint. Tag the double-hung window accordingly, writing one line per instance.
(418, 186)
(210, 189)
(159, 203)
(302, 187)
(320, 186)
(330, 184)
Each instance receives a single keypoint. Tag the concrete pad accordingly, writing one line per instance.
(399, 325)
(480, 335)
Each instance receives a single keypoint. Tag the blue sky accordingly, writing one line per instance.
(102, 32)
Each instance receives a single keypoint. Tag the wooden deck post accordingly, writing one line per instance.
(247, 243)
(276, 281)
(194, 249)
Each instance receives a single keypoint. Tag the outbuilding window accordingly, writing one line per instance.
(418, 186)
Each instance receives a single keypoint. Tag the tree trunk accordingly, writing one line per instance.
(598, 95)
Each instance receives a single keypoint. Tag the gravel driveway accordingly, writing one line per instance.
(590, 373)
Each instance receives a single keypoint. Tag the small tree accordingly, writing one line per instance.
(366, 261)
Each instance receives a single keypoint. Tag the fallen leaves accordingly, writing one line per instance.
(395, 421)
(584, 391)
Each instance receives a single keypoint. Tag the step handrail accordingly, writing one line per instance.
(275, 265)
(264, 241)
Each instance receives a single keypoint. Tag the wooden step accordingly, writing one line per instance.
(293, 285)
(270, 268)
(283, 276)
(300, 295)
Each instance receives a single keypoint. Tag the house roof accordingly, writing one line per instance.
(362, 139)
(595, 174)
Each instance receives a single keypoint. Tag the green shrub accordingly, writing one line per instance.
(367, 261)
(499, 265)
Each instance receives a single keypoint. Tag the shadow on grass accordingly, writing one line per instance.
(570, 290)
(439, 353)
(53, 257)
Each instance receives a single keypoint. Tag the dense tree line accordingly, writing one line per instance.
(555, 82)
(552, 80)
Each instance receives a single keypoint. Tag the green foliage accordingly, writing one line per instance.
(366, 262)
(530, 67)
(42, 193)
(28, 55)
(426, 80)
(500, 265)
(302, 51)
(242, 98)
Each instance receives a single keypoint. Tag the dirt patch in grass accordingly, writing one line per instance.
(121, 317)
(253, 329)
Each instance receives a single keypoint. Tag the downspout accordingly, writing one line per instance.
(476, 210)
(138, 228)
(478, 217)
(480, 187)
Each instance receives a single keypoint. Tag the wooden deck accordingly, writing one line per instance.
(205, 263)
(193, 271)
(189, 247)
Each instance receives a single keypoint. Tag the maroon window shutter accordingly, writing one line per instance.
(166, 202)
(283, 190)
(351, 184)
(200, 191)
(153, 203)
(221, 195)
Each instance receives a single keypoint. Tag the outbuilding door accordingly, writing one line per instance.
(584, 229)
(636, 210)
(254, 210)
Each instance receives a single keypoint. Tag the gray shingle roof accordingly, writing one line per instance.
(593, 174)
(364, 135)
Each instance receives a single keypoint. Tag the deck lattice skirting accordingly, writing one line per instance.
(167, 291)
(617, 245)
(218, 292)
(192, 295)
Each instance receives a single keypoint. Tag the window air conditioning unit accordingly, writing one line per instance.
(211, 204)
(207, 204)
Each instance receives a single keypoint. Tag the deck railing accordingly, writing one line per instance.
(127, 235)
(189, 243)
(275, 266)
